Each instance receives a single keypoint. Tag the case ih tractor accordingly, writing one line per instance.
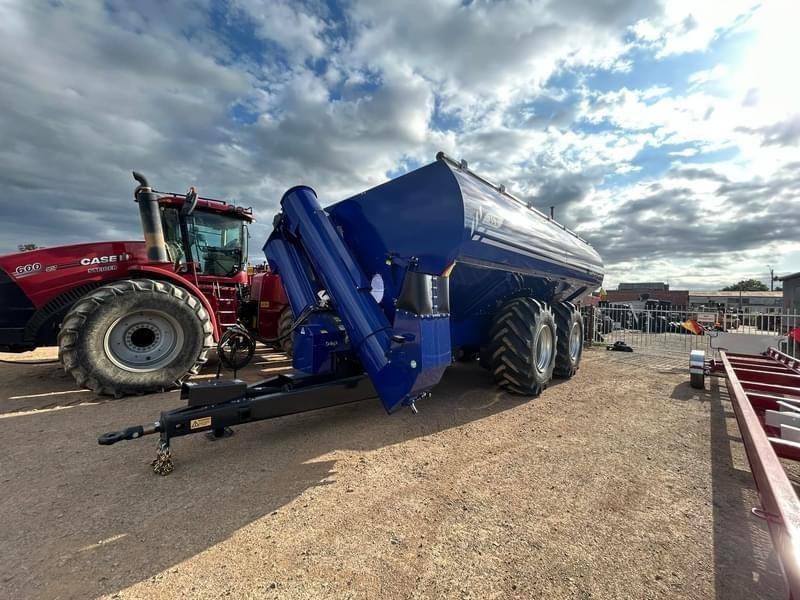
(136, 317)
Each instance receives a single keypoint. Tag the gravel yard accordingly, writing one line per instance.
(620, 483)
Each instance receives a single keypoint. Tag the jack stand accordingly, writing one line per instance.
(413, 408)
(217, 434)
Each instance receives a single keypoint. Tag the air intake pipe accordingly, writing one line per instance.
(150, 215)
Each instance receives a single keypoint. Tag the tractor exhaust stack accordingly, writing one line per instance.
(150, 215)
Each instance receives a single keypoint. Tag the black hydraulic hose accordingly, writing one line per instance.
(306, 312)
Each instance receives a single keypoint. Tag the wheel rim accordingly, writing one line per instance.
(575, 341)
(544, 349)
(143, 341)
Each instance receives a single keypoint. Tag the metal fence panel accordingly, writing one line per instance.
(665, 332)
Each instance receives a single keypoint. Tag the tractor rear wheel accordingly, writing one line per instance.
(285, 322)
(569, 324)
(135, 337)
(522, 347)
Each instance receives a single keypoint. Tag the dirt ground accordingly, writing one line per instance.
(620, 483)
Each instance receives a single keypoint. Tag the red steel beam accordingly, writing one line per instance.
(756, 358)
(779, 503)
(789, 379)
(785, 448)
(769, 387)
(767, 367)
(769, 402)
(786, 398)
(752, 360)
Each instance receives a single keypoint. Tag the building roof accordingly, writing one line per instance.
(642, 285)
(792, 276)
(735, 294)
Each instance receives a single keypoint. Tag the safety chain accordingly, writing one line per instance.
(162, 464)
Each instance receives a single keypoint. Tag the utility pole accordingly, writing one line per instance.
(771, 278)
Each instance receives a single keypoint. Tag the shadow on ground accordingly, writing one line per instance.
(82, 520)
(744, 558)
(34, 384)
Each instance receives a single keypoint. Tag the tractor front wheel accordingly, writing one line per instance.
(135, 337)
(522, 348)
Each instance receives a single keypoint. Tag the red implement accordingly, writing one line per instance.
(765, 393)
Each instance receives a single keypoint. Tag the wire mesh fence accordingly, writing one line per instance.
(664, 336)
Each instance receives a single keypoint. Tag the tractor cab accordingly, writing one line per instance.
(204, 236)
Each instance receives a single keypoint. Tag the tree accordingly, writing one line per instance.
(28, 247)
(747, 285)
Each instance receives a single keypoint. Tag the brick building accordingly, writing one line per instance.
(628, 292)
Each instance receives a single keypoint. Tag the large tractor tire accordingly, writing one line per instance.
(135, 337)
(569, 324)
(285, 322)
(522, 347)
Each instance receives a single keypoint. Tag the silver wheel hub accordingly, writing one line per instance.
(544, 349)
(143, 341)
(575, 341)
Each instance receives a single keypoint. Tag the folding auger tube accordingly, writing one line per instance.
(213, 406)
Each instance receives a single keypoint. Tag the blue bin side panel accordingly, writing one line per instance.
(500, 233)
(419, 215)
(438, 215)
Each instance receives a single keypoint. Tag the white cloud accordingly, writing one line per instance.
(289, 24)
(707, 75)
(684, 152)
(690, 26)
(86, 100)
(93, 90)
(483, 55)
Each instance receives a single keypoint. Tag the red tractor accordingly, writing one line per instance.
(137, 317)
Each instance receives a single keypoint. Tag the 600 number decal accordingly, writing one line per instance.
(28, 269)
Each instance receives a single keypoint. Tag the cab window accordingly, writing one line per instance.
(217, 243)
(172, 236)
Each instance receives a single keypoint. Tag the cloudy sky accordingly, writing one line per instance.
(666, 134)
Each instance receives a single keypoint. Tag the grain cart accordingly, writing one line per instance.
(133, 317)
(391, 285)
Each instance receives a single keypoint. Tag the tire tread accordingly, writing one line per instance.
(564, 313)
(69, 335)
(511, 346)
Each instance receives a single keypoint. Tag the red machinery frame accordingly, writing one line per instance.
(765, 393)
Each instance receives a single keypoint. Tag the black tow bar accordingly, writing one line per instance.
(131, 433)
(216, 405)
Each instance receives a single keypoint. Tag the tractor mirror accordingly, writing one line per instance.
(189, 202)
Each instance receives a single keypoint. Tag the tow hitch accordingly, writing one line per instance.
(213, 406)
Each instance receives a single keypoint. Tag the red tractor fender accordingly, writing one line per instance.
(162, 273)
